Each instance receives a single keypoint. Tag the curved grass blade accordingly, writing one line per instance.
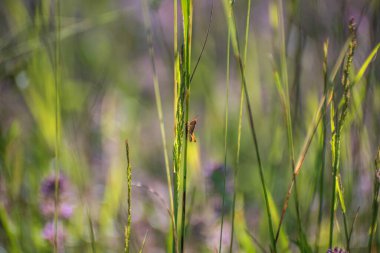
(205, 41)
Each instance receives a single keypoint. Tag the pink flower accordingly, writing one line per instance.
(48, 234)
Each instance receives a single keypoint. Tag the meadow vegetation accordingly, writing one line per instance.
(189, 126)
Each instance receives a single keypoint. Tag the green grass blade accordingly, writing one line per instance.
(365, 65)
(186, 6)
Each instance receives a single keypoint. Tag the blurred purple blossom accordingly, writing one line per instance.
(49, 232)
(64, 205)
(66, 210)
(48, 186)
(336, 250)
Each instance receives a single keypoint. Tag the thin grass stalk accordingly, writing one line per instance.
(225, 135)
(144, 241)
(157, 93)
(261, 172)
(57, 83)
(340, 121)
(204, 43)
(176, 56)
(346, 233)
(353, 224)
(234, 39)
(184, 182)
(178, 118)
(129, 198)
(375, 202)
(186, 6)
(324, 144)
(239, 124)
(256, 241)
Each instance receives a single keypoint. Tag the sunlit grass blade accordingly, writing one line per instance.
(365, 65)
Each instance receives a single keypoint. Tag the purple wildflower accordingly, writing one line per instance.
(66, 210)
(48, 186)
(48, 234)
(63, 206)
(336, 250)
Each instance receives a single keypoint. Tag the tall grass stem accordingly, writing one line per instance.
(237, 163)
(225, 135)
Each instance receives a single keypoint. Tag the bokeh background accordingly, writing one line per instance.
(107, 96)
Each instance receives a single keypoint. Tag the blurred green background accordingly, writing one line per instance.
(107, 96)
